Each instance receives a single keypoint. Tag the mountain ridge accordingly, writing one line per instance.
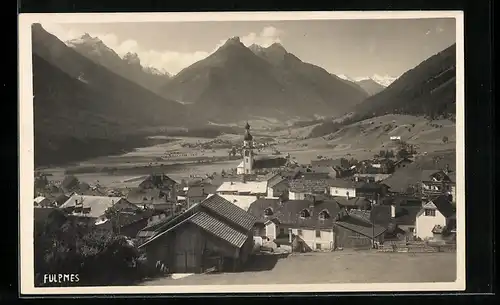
(287, 87)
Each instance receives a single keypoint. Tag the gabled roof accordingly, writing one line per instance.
(353, 201)
(159, 180)
(310, 186)
(444, 205)
(251, 187)
(218, 229)
(39, 199)
(346, 183)
(97, 204)
(368, 231)
(288, 212)
(276, 180)
(427, 174)
(241, 201)
(406, 215)
(229, 211)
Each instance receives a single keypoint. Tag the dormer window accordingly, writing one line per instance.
(268, 212)
(324, 215)
(305, 213)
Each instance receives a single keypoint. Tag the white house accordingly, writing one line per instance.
(311, 221)
(437, 212)
(254, 188)
(344, 188)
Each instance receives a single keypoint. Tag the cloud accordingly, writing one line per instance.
(168, 60)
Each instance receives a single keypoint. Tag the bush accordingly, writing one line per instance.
(98, 257)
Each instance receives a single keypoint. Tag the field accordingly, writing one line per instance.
(336, 267)
(185, 157)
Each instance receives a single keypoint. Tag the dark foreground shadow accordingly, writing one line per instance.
(263, 262)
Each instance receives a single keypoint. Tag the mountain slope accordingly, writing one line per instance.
(129, 66)
(250, 82)
(81, 109)
(370, 86)
(428, 89)
(124, 96)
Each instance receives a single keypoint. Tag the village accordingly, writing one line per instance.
(269, 206)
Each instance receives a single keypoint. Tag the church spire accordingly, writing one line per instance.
(248, 137)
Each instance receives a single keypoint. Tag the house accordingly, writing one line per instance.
(299, 188)
(309, 220)
(252, 164)
(41, 201)
(354, 233)
(255, 188)
(60, 199)
(130, 223)
(93, 208)
(214, 234)
(277, 185)
(350, 188)
(403, 162)
(370, 177)
(439, 211)
(437, 182)
(198, 193)
(152, 198)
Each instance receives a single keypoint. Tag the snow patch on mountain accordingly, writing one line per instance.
(384, 80)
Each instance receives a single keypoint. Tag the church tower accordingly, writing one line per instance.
(248, 151)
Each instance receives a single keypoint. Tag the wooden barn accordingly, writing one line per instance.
(213, 235)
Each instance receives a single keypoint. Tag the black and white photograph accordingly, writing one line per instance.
(241, 152)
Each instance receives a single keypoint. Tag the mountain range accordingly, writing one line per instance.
(78, 103)
(428, 89)
(259, 82)
(128, 66)
(87, 96)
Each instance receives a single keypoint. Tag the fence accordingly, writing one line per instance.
(422, 247)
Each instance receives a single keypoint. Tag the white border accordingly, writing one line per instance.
(26, 166)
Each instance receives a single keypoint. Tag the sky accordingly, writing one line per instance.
(356, 48)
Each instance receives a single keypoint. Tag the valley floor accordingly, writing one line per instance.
(332, 267)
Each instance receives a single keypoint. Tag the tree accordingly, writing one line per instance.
(71, 246)
(70, 182)
(389, 154)
(403, 153)
(381, 154)
(445, 139)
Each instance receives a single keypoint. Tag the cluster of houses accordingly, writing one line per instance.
(217, 224)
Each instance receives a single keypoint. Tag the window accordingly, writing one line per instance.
(299, 232)
(430, 212)
(324, 215)
(268, 212)
(246, 160)
(318, 246)
(304, 214)
(318, 233)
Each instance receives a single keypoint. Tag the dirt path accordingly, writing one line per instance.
(338, 267)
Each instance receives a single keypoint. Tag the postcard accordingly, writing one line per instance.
(241, 152)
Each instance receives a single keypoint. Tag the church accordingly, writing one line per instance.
(254, 164)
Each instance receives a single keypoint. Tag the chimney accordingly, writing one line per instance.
(290, 236)
(393, 211)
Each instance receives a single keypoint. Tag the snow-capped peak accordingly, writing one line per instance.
(385, 80)
(345, 77)
(155, 71)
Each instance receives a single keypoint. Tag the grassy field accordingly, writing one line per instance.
(337, 267)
